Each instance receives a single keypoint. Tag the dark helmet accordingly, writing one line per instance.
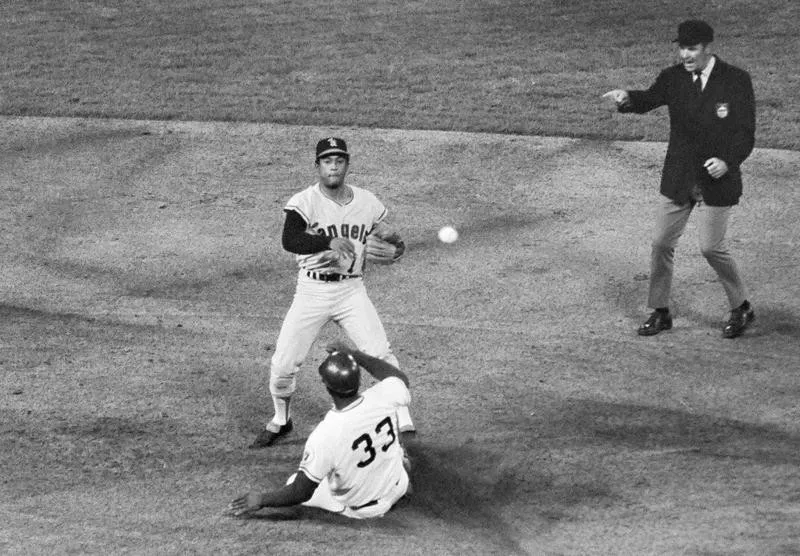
(341, 374)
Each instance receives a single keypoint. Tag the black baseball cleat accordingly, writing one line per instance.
(657, 322)
(738, 322)
(267, 437)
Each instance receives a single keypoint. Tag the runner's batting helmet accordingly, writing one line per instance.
(340, 373)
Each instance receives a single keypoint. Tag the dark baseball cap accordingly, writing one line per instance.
(330, 146)
(694, 31)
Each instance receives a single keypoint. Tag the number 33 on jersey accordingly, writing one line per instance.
(358, 448)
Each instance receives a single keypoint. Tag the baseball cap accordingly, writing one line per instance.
(332, 145)
(694, 31)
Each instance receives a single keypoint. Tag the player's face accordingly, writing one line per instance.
(332, 170)
(694, 57)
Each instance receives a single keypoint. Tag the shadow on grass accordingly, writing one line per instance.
(776, 320)
(10, 311)
(473, 488)
(86, 134)
(641, 427)
(463, 487)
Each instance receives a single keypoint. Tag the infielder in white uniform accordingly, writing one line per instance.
(353, 463)
(327, 227)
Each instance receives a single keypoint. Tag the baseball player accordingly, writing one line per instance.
(353, 463)
(333, 229)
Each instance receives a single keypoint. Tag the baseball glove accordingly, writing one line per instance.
(384, 250)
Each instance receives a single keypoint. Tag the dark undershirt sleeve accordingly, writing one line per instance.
(297, 241)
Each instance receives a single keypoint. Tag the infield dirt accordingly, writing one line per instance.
(143, 284)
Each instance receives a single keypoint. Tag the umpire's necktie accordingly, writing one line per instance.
(698, 82)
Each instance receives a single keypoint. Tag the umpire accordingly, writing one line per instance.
(712, 131)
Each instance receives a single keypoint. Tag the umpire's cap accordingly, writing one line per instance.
(340, 373)
(330, 146)
(694, 31)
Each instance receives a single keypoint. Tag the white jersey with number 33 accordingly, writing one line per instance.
(358, 448)
(353, 220)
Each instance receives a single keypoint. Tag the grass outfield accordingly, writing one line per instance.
(509, 66)
(143, 286)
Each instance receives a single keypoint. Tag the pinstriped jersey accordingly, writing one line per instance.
(353, 220)
(358, 448)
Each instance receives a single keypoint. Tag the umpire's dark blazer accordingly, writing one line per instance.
(721, 123)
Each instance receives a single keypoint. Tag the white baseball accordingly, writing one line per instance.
(448, 234)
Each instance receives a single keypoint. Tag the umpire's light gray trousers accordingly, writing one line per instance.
(712, 224)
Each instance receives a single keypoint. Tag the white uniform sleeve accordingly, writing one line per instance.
(393, 390)
(316, 462)
(380, 210)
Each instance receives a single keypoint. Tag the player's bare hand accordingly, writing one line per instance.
(338, 345)
(328, 259)
(343, 247)
(716, 167)
(619, 96)
(244, 505)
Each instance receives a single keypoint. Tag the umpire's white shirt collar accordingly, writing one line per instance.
(704, 75)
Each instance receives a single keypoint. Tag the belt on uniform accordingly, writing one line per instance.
(362, 506)
(330, 277)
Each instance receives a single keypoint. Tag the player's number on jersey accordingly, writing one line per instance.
(365, 443)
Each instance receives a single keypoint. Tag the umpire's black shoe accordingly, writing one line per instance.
(657, 322)
(739, 320)
(268, 437)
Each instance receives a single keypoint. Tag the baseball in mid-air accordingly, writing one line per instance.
(448, 234)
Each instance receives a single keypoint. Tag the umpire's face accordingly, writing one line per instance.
(332, 170)
(694, 57)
